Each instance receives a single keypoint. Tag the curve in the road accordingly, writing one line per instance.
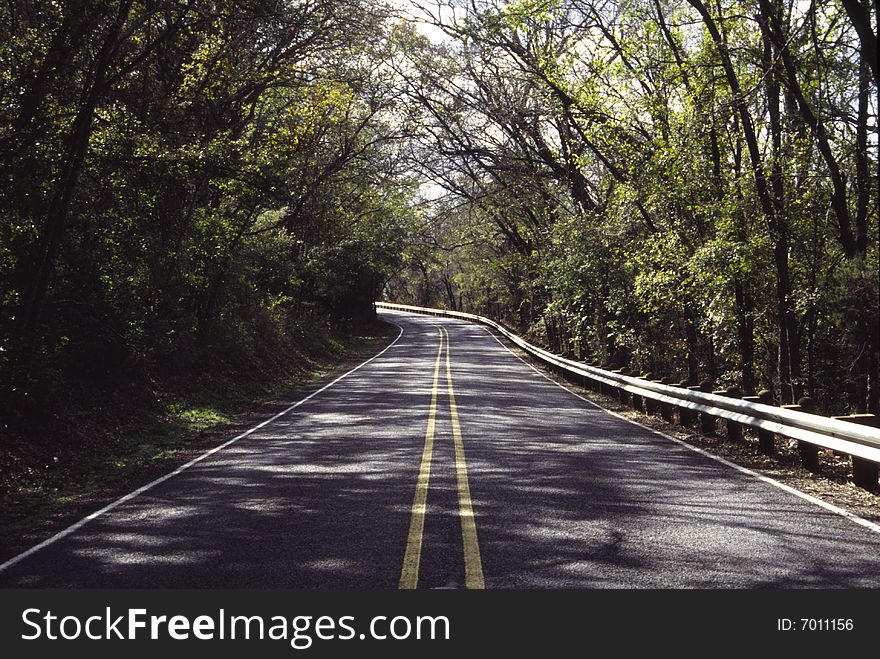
(526, 485)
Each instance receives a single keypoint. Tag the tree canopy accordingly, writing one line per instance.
(683, 187)
(184, 178)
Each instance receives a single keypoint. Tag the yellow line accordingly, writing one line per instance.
(409, 574)
(473, 565)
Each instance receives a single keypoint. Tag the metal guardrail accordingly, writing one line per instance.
(856, 440)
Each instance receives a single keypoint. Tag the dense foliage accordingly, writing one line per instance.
(682, 187)
(186, 181)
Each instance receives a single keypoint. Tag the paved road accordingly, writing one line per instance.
(381, 481)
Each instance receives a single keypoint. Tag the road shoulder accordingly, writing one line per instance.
(833, 484)
(79, 499)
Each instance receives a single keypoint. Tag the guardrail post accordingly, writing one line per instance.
(637, 400)
(667, 410)
(622, 394)
(718, 392)
(651, 404)
(603, 388)
(569, 376)
(707, 421)
(734, 429)
(809, 452)
(687, 417)
(865, 472)
(593, 385)
(609, 389)
(766, 443)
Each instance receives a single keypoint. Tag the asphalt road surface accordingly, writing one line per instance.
(447, 462)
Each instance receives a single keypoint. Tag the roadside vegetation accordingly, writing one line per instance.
(59, 469)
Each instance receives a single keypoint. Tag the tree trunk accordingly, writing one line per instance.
(771, 24)
(693, 359)
(789, 366)
(863, 183)
(872, 404)
(867, 332)
(745, 334)
(789, 353)
(450, 292)
(860, 17)
(59, 206)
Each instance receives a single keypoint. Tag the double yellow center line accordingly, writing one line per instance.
(473, 568)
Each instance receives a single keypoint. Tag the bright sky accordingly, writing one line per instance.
(412, 10)
(428, 190)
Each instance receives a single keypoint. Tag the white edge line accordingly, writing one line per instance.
(144, 488)
(745, 470)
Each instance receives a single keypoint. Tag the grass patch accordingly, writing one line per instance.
(197, 417)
